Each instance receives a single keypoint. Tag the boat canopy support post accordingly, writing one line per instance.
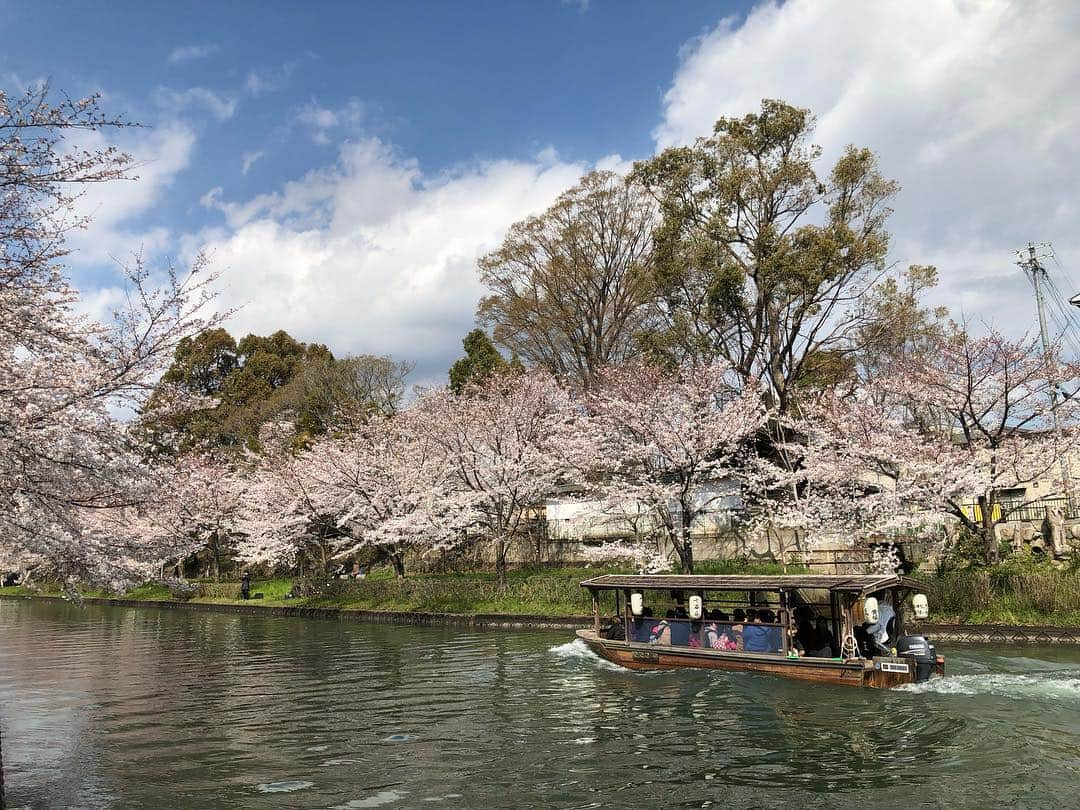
(898, 607)
(785, 621)
(847, 618)
(595, 610)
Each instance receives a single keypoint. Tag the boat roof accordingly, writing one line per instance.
(850, 583)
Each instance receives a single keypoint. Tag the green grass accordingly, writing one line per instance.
(549, 592)
(273, 591)
(743, 565)
(1010, 594)
(149, 591)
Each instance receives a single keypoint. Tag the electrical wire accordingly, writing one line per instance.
(1063, 315)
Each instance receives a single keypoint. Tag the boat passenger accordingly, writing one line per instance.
(639, 627)
(826, 644)
(756, 636)
(695, 634)
(615, 631)
(805, 639)
(776, 643)
(727, 631)
(739, 619)
(710, 633)
(717, 634)
(660, 633)
(680, 628)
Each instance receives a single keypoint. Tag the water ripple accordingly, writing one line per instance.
(118, 708)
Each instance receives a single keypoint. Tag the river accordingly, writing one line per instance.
(146, 708)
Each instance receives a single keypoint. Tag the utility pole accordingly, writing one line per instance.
(1037, 272)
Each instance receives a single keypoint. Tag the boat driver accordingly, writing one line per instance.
(882, 634)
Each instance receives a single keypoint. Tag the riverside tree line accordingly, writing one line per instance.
(724, 312)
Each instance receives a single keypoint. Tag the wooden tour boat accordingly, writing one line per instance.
(854, 626)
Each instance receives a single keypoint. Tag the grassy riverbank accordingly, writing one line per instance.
(978, 596)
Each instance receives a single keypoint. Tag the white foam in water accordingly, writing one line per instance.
(579, 650)
(1018, 687)
(285, 787)
(377, 800)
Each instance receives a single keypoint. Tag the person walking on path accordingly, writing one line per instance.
(245, 585)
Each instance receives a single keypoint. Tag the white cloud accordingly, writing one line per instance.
(971, 105)
(371, 254)
(175, 101)
(116, 208)
(189, 53)
(323, 120)
(248, 160)
(269, 80)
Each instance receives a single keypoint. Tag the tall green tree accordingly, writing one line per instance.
(202, 363)
(760, 260)
(570, 288)
(481, 361)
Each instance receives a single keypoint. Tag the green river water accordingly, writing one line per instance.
(145, 708)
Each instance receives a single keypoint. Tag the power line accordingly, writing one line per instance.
(1039, 277)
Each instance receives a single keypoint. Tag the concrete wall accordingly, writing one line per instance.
(841, 554)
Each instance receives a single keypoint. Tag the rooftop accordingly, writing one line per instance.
(862, 583)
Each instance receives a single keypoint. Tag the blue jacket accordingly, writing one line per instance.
(680, 632)
(757, 638)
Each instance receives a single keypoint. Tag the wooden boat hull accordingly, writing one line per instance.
(881, 673)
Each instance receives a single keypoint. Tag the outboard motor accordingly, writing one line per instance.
(922, 651)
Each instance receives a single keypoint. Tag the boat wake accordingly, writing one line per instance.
(1056, 686)
(578, 650)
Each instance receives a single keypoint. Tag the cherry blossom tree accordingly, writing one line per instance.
(378, 483)
(658, 443)
(499, 438)
(63, 456)
(395, 477)
(201, 505)
(938, 433)
(288, 515)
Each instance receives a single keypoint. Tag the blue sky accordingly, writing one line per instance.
(443, 82)
(346, 163)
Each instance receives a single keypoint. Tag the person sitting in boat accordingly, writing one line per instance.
(812, 635)
(660, 633)
(615, 630)
(695, 634)
(826, 643)
(756, 636)
(776, 643)
(717, 633)
(641, 625)
(680, 627)
(739, 619)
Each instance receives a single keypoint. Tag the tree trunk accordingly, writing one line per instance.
(397, 558)
(500, 564)
(685, 546)
(215, 556)
(991, 554)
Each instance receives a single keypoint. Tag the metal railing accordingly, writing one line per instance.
(1012, 509)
